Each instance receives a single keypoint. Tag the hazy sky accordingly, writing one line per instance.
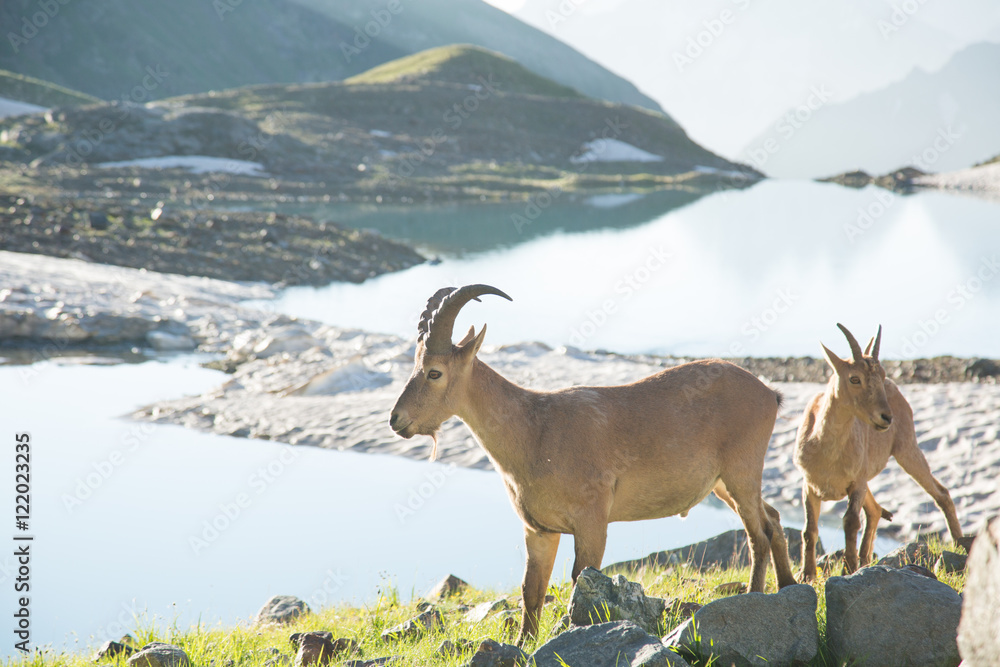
(728, 69)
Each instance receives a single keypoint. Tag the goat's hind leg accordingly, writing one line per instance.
(779, 548)
(748, 504)
(912, 460)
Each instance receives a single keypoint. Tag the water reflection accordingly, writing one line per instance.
(759, 272)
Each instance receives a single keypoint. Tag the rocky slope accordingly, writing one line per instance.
(456, 122)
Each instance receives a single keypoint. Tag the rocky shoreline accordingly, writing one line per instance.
(306, 383)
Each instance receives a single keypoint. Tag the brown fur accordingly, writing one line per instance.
(575, 459)
(847, 435)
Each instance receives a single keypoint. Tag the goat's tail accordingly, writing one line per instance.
(779, 397)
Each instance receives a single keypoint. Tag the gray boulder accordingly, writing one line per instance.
(915, 553)
(494, 654)
(753, 629)
(880, 611)
(979, 630)
(445, 588)
(950, 562)
(282, 609)
(427, 621)
(728, 549)
(111, 650)
(598, 598)
(158, 654)
(481, 611)
(606, 645)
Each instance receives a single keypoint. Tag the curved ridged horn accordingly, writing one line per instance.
(878, 342)
(438, 319)
(855, 348)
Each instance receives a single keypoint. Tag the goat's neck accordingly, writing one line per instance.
(500, 416)
(834, 423)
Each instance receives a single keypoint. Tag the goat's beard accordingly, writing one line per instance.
(434, 448)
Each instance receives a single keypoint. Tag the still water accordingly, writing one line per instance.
(138, 522)
(767, 271)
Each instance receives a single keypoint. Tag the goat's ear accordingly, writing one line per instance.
(469, 336)
(470, 345)
(836, 363)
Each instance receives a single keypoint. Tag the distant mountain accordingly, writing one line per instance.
(39, 93)
(939, 121)
(110, 49)
(457, 120)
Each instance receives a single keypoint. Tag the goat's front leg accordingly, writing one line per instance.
(541, 551)
(873, 512)
(811, 502)
(852, 523)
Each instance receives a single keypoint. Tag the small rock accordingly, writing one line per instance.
(445, 588)
(598, 598)
(282, 609)
(297, 638)
(372, 662)
(979, 630)
(755, 629)
(911, 552)
(97, 221)
(510, 622)
(427, 621)
(314, 649)
(452, 649)
(494, 654)
(880, 611)
(950, 562)
(731, 588)
(612, 644)
(112, 649)
(479, 612)
(681, 609)
(724, 550)
(158, 654)
(980, 369)
(168, 342)
(919, 569)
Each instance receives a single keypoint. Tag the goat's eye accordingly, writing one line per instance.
(855, 380)
(434, 375)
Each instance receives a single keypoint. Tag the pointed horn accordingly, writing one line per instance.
(438, 320)
(855, 348)
(878, 343)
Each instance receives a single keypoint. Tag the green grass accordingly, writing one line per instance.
(462, 64)
(253, 646)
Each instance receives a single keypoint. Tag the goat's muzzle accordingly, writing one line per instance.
(400, 424)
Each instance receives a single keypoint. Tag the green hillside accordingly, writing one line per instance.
(461, 64)
(35, 91)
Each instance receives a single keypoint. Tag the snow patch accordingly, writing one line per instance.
(9, 107)
(613, 200)
(613, 150)
(196, 164)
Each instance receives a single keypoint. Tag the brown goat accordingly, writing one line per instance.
(575, 459)
(846, 437)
